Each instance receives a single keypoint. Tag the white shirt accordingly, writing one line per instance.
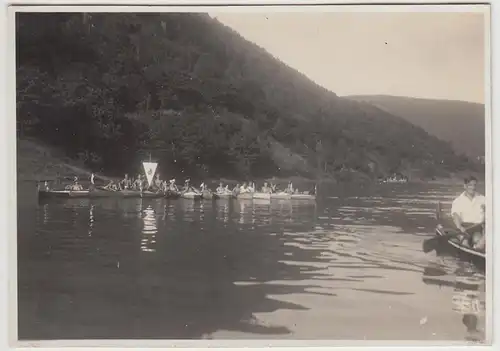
(469, 211)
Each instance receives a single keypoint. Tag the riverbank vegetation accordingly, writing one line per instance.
(111, 89)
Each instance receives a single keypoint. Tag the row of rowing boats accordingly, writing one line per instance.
(193, 195)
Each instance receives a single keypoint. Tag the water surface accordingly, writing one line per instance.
(349, 267)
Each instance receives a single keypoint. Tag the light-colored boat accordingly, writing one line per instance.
(191, 195)
(224, 195)
(207, 195)
(97, 193)
(262, 196)
(245, 196)
(281, 196)
(303, 197)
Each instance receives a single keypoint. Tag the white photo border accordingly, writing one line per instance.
(8, 211)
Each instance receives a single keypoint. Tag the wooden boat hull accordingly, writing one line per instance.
(464, 252)
(172, 195)
(152, 195)
(223, 196)
(281, 196)
(304, 197)
(64, 194)
(207, 195)
(262, 196)
(245, 196)
(98, 193)
(191, 196)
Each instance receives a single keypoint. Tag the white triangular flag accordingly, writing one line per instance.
(150, 169)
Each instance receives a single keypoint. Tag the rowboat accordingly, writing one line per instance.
(207, 195)
(97, 193)
(226, 195)
(465, 252)
(281, 196)
(172, 194)
(262, 196)
(245, 196)
(63, 194)
(191, 195)
(303, 197)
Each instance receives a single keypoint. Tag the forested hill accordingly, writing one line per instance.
(110, 88)
(459, 122)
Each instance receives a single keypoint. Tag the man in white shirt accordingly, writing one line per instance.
(468, 210)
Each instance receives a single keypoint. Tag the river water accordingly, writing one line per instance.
(348, 267)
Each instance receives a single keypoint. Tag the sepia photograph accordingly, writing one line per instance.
(266, 173)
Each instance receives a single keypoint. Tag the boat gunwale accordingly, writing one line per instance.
(441, 232)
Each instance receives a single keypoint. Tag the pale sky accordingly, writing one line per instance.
(437, 55)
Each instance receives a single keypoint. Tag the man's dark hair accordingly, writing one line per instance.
(467, 180)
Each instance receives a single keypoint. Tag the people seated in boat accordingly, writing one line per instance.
(172, 186)
(251, 187)
(244, 188)
(157, 183)
(112, 186)
(220, 189)
(139, 183)
(289, 188)
(273, 188)
(468, 210)
(236, 189)
(188, 187)
(76, 186)
(203, 187)
(266, 189)
(125, 183)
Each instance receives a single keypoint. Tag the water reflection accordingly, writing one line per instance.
(149, 230)
(467, 287)
(46, 217)
(91, 219)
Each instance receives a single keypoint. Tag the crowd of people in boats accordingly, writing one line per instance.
(157, 185)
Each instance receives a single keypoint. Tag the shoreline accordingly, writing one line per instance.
(48, 164)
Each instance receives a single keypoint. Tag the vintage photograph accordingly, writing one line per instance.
(263, 174)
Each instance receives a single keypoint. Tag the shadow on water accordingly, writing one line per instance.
(155, 269)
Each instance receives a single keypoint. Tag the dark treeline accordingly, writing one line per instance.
(111, 88)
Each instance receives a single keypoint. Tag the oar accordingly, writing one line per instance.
(435, 242)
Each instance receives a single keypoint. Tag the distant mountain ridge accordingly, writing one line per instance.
(459, 122)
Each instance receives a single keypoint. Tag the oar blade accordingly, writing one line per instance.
(430, 244)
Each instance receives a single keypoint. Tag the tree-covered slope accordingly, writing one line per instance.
(110, 88)
(459, 122)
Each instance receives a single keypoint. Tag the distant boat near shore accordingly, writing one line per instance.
(400, 179)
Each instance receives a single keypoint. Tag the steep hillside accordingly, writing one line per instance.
(39, 162)
(109, 89)
(458, 122)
